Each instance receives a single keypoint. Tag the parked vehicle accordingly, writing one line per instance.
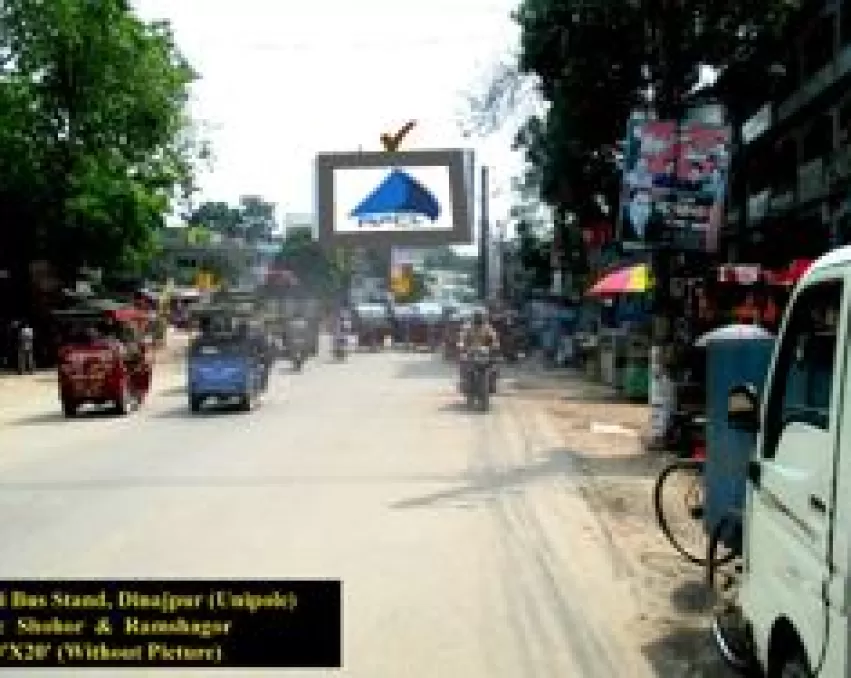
(792, 614)
(371, 325)
(478, 378)
(102, 359)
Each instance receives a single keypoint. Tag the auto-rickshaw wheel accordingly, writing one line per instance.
(126, 400)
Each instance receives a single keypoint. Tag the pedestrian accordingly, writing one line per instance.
(26, 348)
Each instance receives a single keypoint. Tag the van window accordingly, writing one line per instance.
(802, 385)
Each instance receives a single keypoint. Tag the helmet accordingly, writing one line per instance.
(478, 317)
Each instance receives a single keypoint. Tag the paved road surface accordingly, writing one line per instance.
(464, 549)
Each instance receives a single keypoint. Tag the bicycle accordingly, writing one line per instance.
(685, 479)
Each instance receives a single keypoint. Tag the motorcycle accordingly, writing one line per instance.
(478, 378)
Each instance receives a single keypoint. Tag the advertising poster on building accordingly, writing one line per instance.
(676, 173)
(402, 263)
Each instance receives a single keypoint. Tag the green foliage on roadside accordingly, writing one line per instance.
(595, 61)
(95, 141)
(253, 219)
(317, 272)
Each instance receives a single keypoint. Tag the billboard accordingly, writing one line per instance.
(678, 173)
(407, 199)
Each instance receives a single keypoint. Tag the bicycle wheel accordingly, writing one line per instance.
(678, 500)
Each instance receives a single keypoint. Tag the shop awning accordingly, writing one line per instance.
(631, 280)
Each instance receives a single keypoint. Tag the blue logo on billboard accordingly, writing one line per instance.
(399, 200)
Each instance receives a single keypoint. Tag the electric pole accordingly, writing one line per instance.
(484, 238)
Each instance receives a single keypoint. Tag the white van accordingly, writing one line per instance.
(796, 587)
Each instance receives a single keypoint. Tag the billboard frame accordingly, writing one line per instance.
(459, 164)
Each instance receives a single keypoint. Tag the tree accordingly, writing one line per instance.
(316, 271)
(218, 217)
(253, 219)
(596, 60)
(95, 141)
(257, 218)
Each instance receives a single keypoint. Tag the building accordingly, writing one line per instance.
(791, 198)
(188, 252)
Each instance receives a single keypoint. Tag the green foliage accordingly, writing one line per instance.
(595, 62)
(94, 138)
(317, 272)
(253, 219)
(534, 253)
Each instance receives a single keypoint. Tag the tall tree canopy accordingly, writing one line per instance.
(316, 271)
(95, 141)
(253, 219)
(595, 61)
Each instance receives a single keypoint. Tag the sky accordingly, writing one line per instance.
(282, 81)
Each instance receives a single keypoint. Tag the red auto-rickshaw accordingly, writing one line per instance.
(103, 358)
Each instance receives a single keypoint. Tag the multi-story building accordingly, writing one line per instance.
(185, 255)
(794, 162)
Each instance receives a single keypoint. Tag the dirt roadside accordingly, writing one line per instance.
(603, 436)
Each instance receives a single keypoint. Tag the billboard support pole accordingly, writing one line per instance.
(484, 237)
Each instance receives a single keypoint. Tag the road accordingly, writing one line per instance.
(464, 547)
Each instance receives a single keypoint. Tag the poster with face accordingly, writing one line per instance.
(678, 172)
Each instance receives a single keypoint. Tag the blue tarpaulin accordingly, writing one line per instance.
(399, 193)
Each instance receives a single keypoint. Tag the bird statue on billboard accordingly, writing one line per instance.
(391, 142)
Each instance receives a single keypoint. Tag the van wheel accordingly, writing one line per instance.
(195, 404)
(795, 666)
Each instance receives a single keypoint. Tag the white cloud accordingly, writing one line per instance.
(283, 81)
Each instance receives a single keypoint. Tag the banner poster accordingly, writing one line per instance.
(678, 172)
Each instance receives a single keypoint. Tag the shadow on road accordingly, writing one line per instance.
(47, 418)
(639, 464)
(184, 412)
(207, 482)
(427, 367)
(459, 407)
(689, 652)
(692, 596)
(497, 481)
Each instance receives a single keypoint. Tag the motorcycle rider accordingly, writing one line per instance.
(477, 334)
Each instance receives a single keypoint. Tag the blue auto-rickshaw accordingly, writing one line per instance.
(224, 364)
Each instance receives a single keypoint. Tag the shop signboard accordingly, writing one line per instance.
(399, 199)
(678, 172)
